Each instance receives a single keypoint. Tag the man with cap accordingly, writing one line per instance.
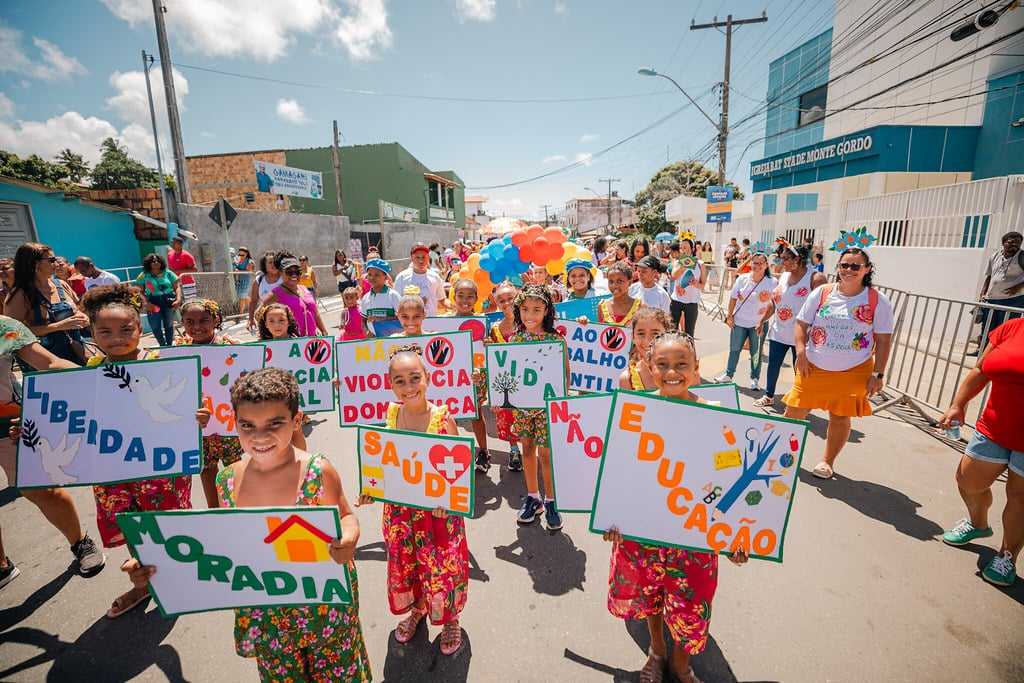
(647, 289)
(380, 304)
(180, 261)
(419, 274)
(94, 277)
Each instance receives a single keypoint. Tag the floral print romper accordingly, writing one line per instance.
(217, 448)
(310, 643)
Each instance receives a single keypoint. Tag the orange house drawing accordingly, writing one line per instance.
(296, 540)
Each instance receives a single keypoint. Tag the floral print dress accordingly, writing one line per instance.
(217, 448)
(502, 416)
(532, 424)
(428, 558)
(308, 643)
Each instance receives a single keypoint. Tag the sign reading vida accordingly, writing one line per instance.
(526, 374)
(227, 558)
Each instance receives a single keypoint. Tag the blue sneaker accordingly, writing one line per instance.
(1000, 571)
(530, 510)
(552, 518)
(515, 459)
(964, 532)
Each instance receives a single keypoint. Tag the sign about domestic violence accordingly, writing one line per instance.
(525, 375)
(728, 485)
(426, 471)
(597, 354)
(365, 389)
(111, 423)
(220, 366)
(311, 361)
(226, 558)
(476, 325)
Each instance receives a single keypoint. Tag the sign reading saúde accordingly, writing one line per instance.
(524, 375)
(597, 354)
(476, 325)
(296, 182)
(719, 204)
(220, 366)
(576, 427)
(425, 471)
(226, 558)
(310, 361)
(366, 389)
(728, 485)
(111, 423)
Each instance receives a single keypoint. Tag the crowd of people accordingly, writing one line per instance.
(838, 335)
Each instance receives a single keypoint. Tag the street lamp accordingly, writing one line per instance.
(652, 72)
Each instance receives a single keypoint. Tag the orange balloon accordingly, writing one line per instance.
(534, 231)
(473, 261)
(480, 276)
(520, 238)
(527, 252)
(554, 235)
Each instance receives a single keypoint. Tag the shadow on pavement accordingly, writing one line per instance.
(510, 488)
(421, 660)
(878, 502)
(109, 650)
(985, 554)
(14, 615)
(553, 561)
(378, 552)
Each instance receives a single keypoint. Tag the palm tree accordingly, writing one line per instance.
(76, 168)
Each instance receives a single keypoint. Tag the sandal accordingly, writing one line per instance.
(451, 638)
(690, 677)
(654, 669)
(823, 470)
(121, 604)
(765, 402)
(407, 627)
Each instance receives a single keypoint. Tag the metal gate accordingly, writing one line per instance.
(15, 227)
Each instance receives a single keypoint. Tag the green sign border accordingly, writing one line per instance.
(551, 451)
(629, 331)
(496, 347)
(334, 366)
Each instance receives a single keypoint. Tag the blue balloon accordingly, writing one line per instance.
(496, 276)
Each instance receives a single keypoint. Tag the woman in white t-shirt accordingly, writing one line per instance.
(843, 336)
(796, 282)
(688, 278)
(750, 305)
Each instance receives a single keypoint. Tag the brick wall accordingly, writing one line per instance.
(231, 176)
(144, 200)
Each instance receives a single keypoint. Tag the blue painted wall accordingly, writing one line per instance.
(800, 70)
(1000, 145)
(75, 229)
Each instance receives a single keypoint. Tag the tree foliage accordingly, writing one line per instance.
(70, 171)
(118, 171)
(690, 178)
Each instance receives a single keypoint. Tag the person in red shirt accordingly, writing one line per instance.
(996, 447)
(180, 261)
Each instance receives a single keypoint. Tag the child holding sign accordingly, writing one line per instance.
(201, 319)
(411, 313)
(428, 559)
(648, 323)
(666, 585)
(465, 296)
(579, 275)
(113, 311)
(535, 321)
(620, 309)
(276, 321)
(504, 299)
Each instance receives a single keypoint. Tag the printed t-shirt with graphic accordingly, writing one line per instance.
(689, 294)
(1003, 418)
(841, 335)
(13, 337)
(655, 296)
(382, 304)
(788, 302)
(157, 285)
(102, 278)
(429, 283)
(752, 299)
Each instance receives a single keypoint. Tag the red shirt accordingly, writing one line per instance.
(179, 261)
(1003, 418)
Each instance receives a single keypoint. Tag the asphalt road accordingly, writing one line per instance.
(866, 591)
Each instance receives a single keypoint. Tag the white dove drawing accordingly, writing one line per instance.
(55, 459)
(153, 399)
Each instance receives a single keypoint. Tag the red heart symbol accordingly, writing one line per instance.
(450, 463)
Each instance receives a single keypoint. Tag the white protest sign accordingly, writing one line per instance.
(220, 366)
(425, 471)
(476, 325)
(524, 375)
(729, 484)
(576, 427)
(239, 557)
(597, 354)
(309, 360)
(366, 390)
(111, 423)
(726, 395)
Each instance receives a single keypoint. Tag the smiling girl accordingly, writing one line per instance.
(504, 296)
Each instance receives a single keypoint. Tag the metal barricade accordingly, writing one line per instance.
(715, 298)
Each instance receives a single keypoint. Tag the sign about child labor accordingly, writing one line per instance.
(365, 390)
(525, 375)
(310, 360)
(476, 325)
(597, 354)
(111, 423)
(728, 485)
(574, 308)
(220, 366)
(226, 558)
(425, 471)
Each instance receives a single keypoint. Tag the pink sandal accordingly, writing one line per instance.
(407, 627)
(451, 638)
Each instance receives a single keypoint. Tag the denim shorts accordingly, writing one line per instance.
(980, 447)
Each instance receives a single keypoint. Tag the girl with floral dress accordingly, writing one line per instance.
(428, 558)
(504, 299)
(664, 585)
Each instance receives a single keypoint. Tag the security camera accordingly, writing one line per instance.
(982, 21)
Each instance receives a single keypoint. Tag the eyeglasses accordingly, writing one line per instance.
(850, 266)
(51, 259)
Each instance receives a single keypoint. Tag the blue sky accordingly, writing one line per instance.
(73, 76)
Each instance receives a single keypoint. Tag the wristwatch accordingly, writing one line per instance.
(878, 375)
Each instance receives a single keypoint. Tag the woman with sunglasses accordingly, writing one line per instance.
(843, 336)
(295, 296)
(308, 277)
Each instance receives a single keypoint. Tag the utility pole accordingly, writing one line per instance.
(609, 181)
(170, 206)
(336, 157)
(546, 207)
(180, 167)
(723, 126)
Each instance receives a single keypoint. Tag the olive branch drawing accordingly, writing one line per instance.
(120, 373)
(29, 434)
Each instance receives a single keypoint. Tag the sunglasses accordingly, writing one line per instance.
(51, 259)
(293, 271)
(850, 266)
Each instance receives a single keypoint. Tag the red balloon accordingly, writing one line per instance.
(534, 231)
(526, 252)
(539, 251)
(520, 238)
(554, 235)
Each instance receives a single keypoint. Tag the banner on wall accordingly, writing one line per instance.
(310, 361)
(574, 308)
(476, 325)
(227, 558)
(424, 471)
(597, 353)
(728, 485)
(524, 375)
(220, 365)
(111, 423)
(295, 182)
(576, 428)
(365, 392)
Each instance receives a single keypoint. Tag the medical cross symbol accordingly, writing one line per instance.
(450, 469)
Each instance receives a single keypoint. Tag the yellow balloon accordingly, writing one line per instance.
(571, 250)
(555, 267)
(473, 261)
(584, 254)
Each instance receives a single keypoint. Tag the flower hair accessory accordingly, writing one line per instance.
(859, 238)
(687, 235)
(759, 247)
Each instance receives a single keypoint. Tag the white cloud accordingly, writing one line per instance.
(554, 158)
(291, 111)
(511, 203)
(131, 103)
(561, 7)
(207, 134)
(47, 138)
(588, 137)
(364, 30)
(583, 158)
(228, 28)
(52, 65)
(6, 107)
(475, 10)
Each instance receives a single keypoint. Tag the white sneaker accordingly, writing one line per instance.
(723, 378)
(754, 385)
